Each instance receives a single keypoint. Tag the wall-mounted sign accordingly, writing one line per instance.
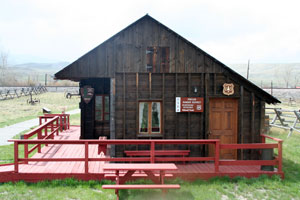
(228, 89)
(87, 93)
(189, 104)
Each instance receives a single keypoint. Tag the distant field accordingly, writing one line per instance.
(17, 110)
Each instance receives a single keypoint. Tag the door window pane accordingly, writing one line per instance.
(98, 102)
(156, 117)
(143, 117)
(106, 101)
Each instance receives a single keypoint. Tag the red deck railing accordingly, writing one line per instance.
(55, 123)
(153, 158)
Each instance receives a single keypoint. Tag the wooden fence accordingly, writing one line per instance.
(17, 93)
(285, 119)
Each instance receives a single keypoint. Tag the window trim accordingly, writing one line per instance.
(150, 133)
(103, 107)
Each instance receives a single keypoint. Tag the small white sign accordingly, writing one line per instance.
(178, 105)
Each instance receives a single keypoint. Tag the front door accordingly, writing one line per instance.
(223, 124)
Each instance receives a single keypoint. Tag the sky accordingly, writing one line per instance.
(232, 31)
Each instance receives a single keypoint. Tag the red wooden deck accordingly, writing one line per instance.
(42, 170)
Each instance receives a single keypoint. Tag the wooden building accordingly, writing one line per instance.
(130, 82)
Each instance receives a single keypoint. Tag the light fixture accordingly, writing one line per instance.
(195, 89)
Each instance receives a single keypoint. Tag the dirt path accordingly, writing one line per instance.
(8, 132)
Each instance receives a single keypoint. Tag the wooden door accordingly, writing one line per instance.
(223, 124)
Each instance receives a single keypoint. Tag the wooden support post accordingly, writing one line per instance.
(26, 151)
(241, 120)
(252, 122)
(86, 157)
(68, 121)
(152, 156)
(40, 137)
(280, 156)
(61, 123)
(176, 115)
(150, 85)
(163, 106)
(217, 156)
(40, 120)
(16, 155)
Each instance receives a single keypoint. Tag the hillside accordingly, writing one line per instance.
(263, 74)
(260, 74)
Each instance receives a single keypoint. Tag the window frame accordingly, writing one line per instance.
(149, 132)
(103, 107)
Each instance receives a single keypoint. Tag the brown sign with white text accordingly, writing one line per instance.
(189, 104)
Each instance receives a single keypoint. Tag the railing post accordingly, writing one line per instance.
(86, 157)
(65, 121)
(39, 137)
(40, 120)
(217, 155)
(26, 150)
(280, 156)
(68, 121)
(16, 152)
(152, 158)
(263, 139)
(57, 125)
(61, 123)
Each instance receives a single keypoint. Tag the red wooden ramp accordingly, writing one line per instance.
(66, 156)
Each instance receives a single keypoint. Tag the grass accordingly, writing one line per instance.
(216, 188)
(17, 110)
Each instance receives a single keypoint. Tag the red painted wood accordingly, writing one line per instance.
(135, 166)
(248, 146)
(158, 153)
(158, 186)
(280, 156)
(249, 162)
(37, 170)
(272, 138)
(217, 155)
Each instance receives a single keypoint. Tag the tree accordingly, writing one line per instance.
(287, 75)
(3, 66)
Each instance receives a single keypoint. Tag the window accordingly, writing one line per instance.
(150, 117)
(158, 59)
(102, 108)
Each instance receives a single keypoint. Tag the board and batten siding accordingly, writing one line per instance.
(165, 87)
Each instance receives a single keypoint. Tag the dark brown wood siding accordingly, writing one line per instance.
(150, 86)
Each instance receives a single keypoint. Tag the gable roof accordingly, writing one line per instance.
(269, 98)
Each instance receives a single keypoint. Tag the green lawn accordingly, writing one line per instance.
(17, 110)
(217, 188)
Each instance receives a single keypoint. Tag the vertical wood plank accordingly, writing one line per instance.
(150, 85)
(241, 120)
(262, 117)
(137, 102)
(206, 109)
(16, 156)
(163, 106)
(215, 83)
(189, 114)
(176, 114)
(252, 123)
(124, 106)
(112, 115)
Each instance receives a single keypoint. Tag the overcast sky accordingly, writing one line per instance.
(231, 31)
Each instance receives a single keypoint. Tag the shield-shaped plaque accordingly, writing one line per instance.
(87, 93)
(228, 89)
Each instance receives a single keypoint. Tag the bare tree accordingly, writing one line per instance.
(3, 66)
(287, 75)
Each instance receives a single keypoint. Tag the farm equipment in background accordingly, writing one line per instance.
(32, 101)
